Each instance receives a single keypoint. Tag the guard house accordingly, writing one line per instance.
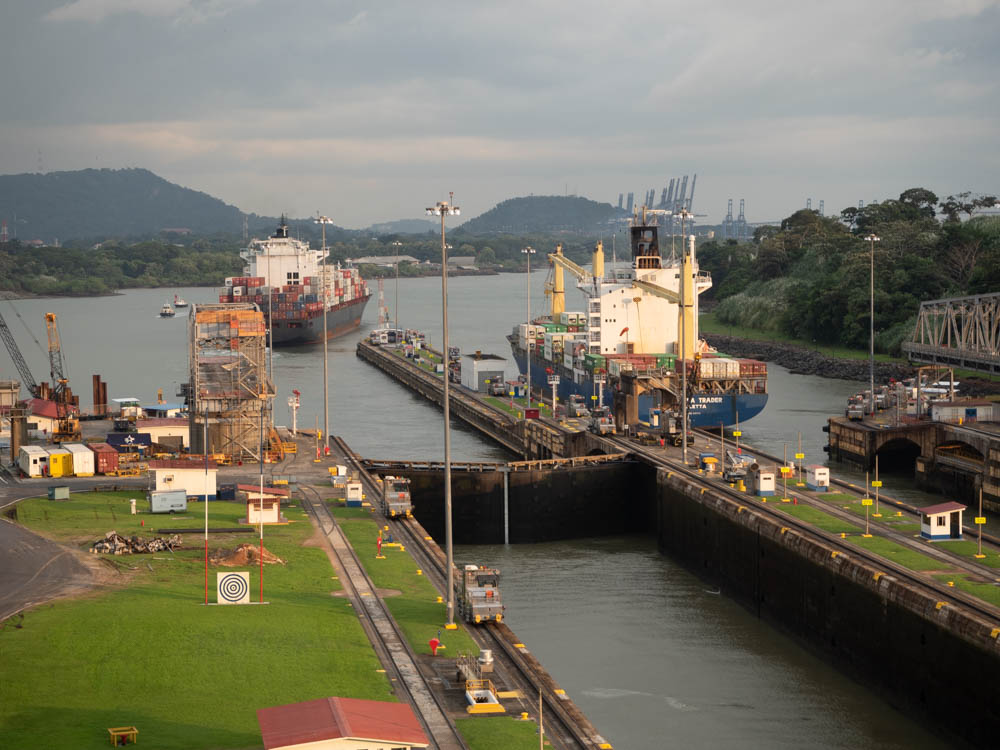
(266, 510)
(341, 724)
(760, 481)
(478, 368)
(818, 478)
(190, 476)
(943, 521)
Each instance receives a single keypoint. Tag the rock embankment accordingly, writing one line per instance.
(803, 361)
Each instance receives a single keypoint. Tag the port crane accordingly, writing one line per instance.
(58, 391)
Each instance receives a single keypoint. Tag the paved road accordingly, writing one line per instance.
(34, 570)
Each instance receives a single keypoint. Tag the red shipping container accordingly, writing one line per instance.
(105, 458)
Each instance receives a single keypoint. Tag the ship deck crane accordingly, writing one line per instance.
(15, 354)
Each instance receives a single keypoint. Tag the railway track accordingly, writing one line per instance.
(387, 639)
(986, 612)
(515, 668)
(911, 510)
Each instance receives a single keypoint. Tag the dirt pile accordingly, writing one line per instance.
(244, 554)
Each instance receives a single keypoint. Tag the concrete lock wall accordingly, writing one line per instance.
(933, 659)
(543, 505)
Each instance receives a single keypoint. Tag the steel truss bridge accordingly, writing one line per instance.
(961, 332)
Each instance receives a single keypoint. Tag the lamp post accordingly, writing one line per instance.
(872, 239)
(528, 252)
(323, 221)
(684, 214)
(397, 244)
(442, 209)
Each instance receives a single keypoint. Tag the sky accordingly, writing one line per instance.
(371, 111)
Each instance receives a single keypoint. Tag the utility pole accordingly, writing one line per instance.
(442, 209)
(528, 252)
(323, 221)
(872, 239)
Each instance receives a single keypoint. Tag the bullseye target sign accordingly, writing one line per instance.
(234, 588)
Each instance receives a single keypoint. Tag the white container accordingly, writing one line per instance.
(33, 461)
(818, 478)
(83, 459)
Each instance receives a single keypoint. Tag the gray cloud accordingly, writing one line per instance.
(376, 109)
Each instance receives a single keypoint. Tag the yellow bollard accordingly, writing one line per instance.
(419, 572)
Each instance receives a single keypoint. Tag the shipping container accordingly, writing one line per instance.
(33, 461)
(60, 462)
(105, 458)
(83, 459)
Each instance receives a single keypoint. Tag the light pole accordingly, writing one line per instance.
(872, 239)
(396, 245)
(684, 214)
(528, 252)
(323, 221)
(442, 209)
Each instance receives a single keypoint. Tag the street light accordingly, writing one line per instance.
(872, 239)
(684, 214)
(442, 209)
(397, 244)
(323, 221)
(528, 252)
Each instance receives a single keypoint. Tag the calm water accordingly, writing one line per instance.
(653, 657)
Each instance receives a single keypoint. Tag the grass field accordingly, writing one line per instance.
(967, 548)
(897, 553)
(145, 652)
(499, 733)
(817, 518)
(416, 608)
(988, 592)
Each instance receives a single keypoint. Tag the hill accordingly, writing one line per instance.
(543, 214)
(404, 226)
(98, 203)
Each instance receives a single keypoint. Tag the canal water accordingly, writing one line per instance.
(653, 655)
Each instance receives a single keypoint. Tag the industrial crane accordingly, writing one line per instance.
(68, 426)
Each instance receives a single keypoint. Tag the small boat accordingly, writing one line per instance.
(167, 311)
(179, 302)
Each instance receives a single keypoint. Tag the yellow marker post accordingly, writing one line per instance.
(785, 471)
(876, 484)
(866, 501)
(980, 522)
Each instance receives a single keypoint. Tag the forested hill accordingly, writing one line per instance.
(98, 203)
(542, 214)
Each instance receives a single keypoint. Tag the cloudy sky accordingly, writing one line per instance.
(369, 111)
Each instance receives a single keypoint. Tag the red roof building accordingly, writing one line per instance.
(334, 723)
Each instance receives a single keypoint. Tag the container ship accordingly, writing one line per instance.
(286, 279)
(637, 341)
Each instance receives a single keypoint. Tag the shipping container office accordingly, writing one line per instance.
(33, 461)
(190, 476)
(60, 462)
(83, 459)
(105, 458)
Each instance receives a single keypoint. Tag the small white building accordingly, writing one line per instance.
(818, 478)
(33, 461)
(760, 481)
(269, 508)
(176, 430)
(83, 459)
(478, 368)
(963, 412)
(190, 476)
(942, 521)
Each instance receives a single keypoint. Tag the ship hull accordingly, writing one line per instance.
(704, 410)
(340, 319)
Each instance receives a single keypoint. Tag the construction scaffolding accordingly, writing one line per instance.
(229, 386)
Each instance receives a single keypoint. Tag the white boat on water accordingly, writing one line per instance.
(179, 301)
(167, 311)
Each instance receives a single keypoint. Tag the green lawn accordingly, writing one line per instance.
(148, 653)
(967, 548)
(817, 518)
(988, 592)
(499, 733)
(519, 404)
(416, 609)
(897, 553)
